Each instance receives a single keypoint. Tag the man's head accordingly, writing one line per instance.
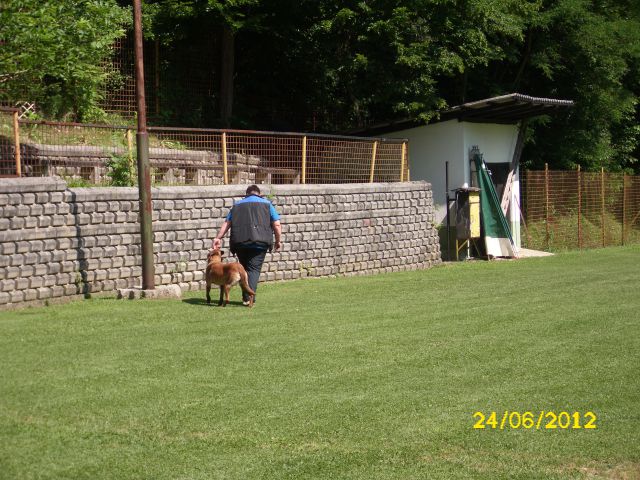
(253, 190)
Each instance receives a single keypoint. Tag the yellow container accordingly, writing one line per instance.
(474, 214)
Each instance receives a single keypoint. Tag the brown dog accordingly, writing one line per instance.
(226, 275)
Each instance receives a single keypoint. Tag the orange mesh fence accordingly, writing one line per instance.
(106, 155)
(118, 94)
(631, 209)
(563, 210)
(82, 154)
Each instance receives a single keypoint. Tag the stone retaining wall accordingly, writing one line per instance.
(57, 242)
(168, 165)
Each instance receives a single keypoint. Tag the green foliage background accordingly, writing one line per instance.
(334, 66)
(53, 52)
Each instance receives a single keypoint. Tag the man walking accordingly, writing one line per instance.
(253, 222)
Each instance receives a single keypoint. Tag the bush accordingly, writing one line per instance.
(121, 171)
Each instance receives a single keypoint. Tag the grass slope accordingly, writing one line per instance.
(350, 378)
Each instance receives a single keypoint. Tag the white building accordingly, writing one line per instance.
(494, 125)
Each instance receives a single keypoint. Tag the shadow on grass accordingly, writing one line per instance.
(214, 303)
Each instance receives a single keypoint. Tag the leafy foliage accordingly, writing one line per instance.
(121, 171)
(334, 66)
(52, 52)
(589, 52)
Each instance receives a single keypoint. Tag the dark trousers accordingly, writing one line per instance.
(251, 259)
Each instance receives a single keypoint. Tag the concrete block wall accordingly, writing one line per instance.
(57, 241)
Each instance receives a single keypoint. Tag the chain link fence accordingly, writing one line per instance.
(574, 209)
(89, 154)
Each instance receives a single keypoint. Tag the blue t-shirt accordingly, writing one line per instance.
(255, 198)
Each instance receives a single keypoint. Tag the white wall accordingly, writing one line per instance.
(496, 142)
(430, 146)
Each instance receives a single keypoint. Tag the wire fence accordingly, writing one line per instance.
(10, 160)
(574, 209)
(87, 154)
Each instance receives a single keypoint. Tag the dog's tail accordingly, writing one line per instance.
(244, 282)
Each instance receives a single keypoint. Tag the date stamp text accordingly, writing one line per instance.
(539, 420)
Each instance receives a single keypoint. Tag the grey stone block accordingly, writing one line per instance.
(30, 294)
(16, 223)
(15, 296)
(162, 292)
(30, 222)
(21, 210)
(57, 291)
(43, 293)
(36, 209)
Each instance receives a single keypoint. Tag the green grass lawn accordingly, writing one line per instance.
(362, 377)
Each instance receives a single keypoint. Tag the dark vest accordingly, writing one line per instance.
(251, 223)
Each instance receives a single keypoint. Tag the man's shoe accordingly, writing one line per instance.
(245, 303)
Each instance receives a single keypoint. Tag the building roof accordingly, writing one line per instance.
(509, 108)
(506, 108)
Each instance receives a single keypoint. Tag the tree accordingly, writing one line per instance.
(588, 52)
(175, 19)
(53, 51)
(355, 63)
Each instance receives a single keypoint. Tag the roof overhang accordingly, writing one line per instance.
(507, 109)
(510, 108)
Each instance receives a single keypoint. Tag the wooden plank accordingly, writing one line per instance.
(515, 162)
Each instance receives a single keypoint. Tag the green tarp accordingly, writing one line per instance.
(497, 235)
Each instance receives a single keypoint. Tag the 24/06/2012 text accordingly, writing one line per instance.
(542, 420)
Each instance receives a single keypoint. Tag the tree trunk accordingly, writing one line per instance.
(227, 46)
(523, 64)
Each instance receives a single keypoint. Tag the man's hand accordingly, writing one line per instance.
(217, 241)
(277, 230)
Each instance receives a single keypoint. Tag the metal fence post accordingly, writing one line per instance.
(402, 163)
(16, 141)
(144, 169)
(546, 203)
(373, 161)
(224, 158)
(624, 204)
(602, 205)
(304, 160)
(579, 208)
